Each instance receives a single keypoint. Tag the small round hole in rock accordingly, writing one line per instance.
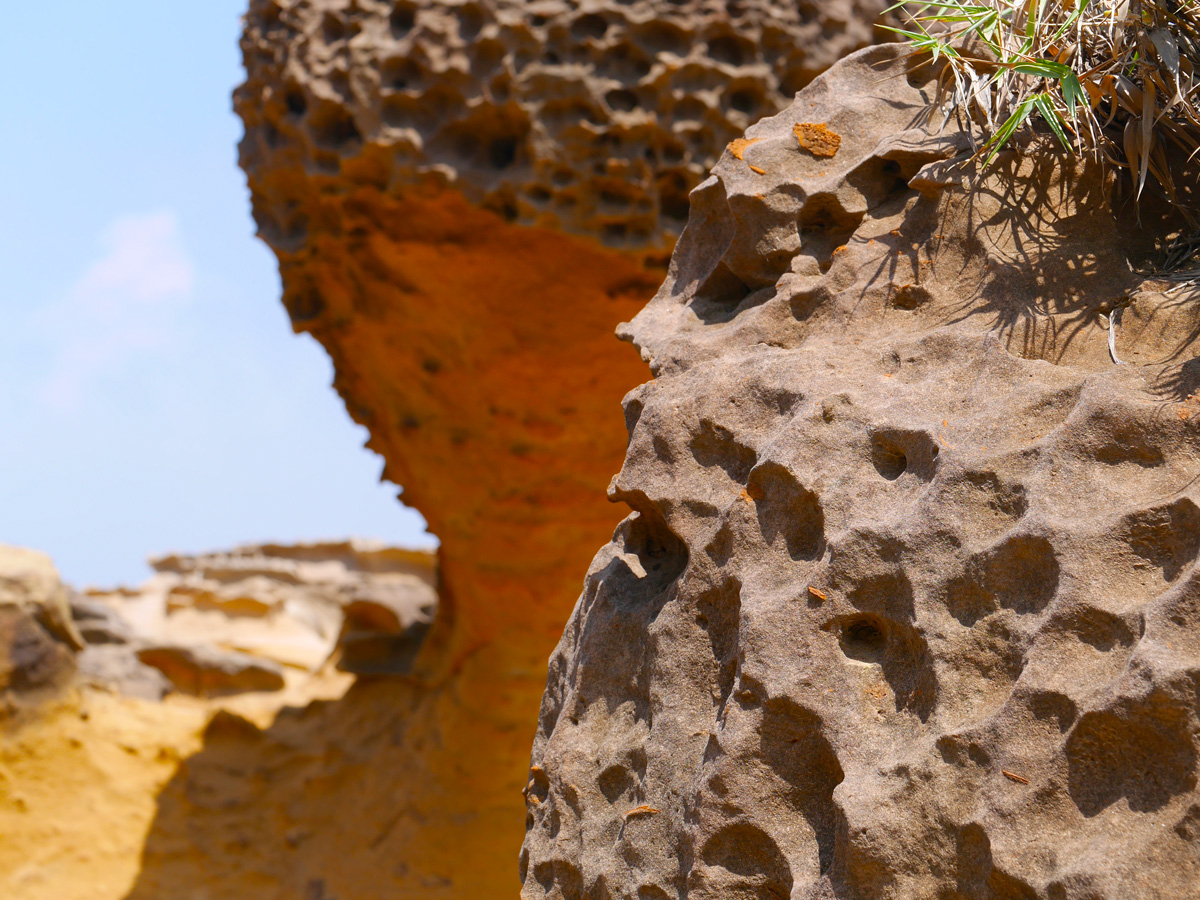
(744, 101)
(889, 460)
(891, 172)
(502, 152)
(910, 296)
(863, 639)
(401, 73)
(673, 199)
(470, 23)
(591, 25)
(729, 49)
(333, 28)
(621, 100)
(614, 232)
(296, 104)
(403, 18)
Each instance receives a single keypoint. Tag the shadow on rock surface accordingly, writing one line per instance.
(311, 807)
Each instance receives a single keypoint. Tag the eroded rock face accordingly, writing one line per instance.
(465, 200)
(908, 606)
(29, 582)
(256, 769)
(227, 621)
(207, 672)
(37, 635)
(590, 118)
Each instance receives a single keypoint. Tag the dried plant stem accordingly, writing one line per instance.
(1114, 79)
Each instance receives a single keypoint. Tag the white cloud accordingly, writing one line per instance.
(123, 305)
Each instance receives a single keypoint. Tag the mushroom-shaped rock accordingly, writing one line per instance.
(465, 200)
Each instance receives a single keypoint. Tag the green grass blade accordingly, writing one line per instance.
(1075, 16)
(1045, 106)
(957, 7)
(1043, 68)
(1004, 132)
(1072, 91)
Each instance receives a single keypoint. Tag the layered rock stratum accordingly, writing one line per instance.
(908, 604)
(361, 606)
(203, 735)
(465, 200)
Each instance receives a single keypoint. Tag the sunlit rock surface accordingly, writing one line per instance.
(210, 731)
(465, 200)
(37, 635)
(908, 606)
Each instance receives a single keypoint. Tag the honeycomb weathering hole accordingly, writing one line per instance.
(895, 451)
(889, 460)
(794, 746)
(662, 554)
(1167, 537)
(742, 860)
(719, 615)
(713, 444)
(864, 638)
(1139, 751)
(786, 508)
(402, 19)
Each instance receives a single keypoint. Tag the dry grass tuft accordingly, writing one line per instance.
(1116, 79)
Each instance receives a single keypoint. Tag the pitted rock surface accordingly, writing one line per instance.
(465, 200)
(908, 605)
(594, 118)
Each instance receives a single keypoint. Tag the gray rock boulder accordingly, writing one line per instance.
(908, 604)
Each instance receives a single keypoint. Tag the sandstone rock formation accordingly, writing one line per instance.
(206, 672)
(120, 782)
(908, 605)
(295, 604)
(81, 778)
(239, 620)
(37, 635)
(465, 199)
(589, 118)
(30, 583)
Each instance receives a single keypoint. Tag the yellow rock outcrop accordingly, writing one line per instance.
(465, 200)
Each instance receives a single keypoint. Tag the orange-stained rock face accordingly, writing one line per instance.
(226, 786)
(504, 434)
(466, 199)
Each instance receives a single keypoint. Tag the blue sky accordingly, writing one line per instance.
(152, 395)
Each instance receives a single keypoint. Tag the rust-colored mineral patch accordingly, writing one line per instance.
(817, 138)
(739, 147)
